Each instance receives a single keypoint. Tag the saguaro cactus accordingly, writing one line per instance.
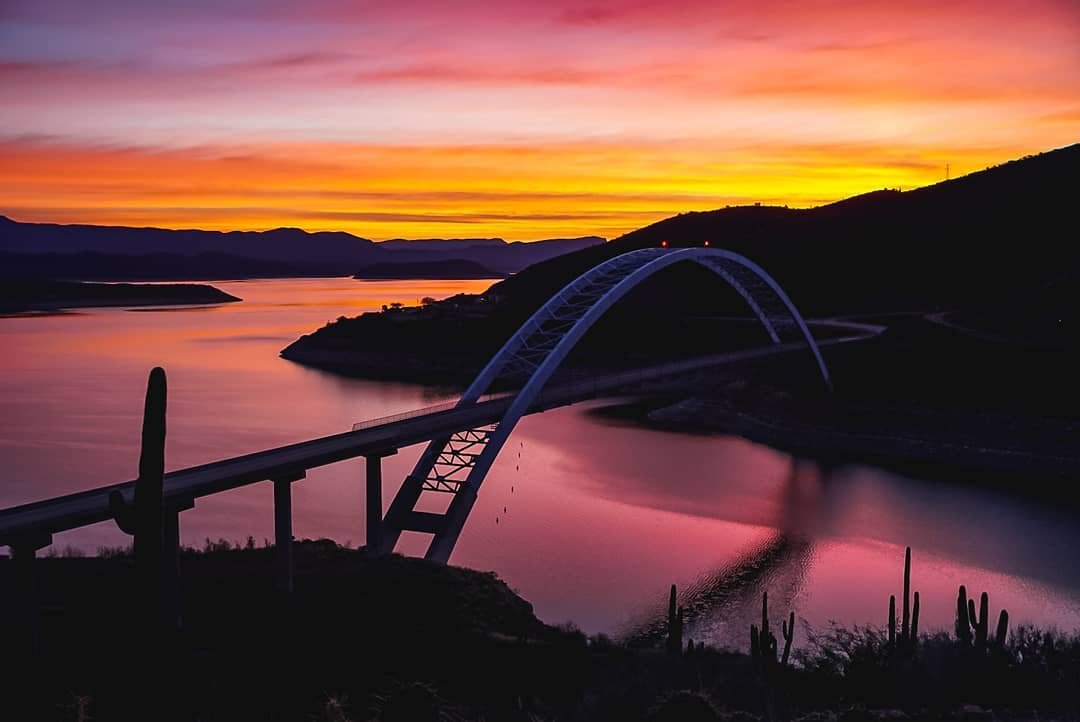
(968, 620)
(963, 621)
(914, 621)
(675, 625)
(892, 620)
(143, 518)
(980, 624)
(1002, 630)
(763, 644)
(909, 623)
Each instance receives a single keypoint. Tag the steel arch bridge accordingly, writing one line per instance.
(458, 464)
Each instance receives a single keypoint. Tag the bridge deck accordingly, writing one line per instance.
(181, 487)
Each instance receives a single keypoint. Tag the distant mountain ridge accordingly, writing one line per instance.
(283, 251)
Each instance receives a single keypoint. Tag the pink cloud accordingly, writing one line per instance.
(640, 102)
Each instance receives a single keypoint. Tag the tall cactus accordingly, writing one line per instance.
(963, 620)
(981, 623)
(143, 518)
(1002, 630)
(675, 625)
(892, 620)
(763, 644)
(914, 621)
(973, 628)
(909, 623)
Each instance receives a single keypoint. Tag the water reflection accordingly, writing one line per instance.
(595, 519)
(824, 540)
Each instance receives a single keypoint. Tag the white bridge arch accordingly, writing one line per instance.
(459, 463)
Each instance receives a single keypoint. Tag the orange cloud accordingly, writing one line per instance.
(517, 192)
(512, 118)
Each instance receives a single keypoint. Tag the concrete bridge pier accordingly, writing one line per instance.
(283, 536)
(373, 503)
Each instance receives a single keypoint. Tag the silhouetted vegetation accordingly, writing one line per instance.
(402, 639)
(909, 625)
(143, 518)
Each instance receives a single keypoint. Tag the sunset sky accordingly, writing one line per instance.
(514, 118)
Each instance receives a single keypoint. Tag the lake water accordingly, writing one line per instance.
(588, 519)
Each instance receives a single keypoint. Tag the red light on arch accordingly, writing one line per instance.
(706, 244)
(663, 244)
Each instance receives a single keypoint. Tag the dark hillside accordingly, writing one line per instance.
(984, 241)
(956, 242)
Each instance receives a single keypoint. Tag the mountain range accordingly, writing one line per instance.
(118, 252)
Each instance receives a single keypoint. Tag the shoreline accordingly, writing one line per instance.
(927, 456)
(887, 436)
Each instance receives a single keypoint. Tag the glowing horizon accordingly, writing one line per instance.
(511, 119)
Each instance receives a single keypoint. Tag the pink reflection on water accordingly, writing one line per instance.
(595, 519)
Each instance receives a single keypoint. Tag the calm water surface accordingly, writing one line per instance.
(588, 519)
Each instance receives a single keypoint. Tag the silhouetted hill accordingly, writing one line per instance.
(963, 245)
(957, 242)
(277, 252)
(450, 268)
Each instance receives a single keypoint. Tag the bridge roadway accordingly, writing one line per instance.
(37, 521)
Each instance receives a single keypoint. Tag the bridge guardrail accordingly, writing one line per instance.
(449, 405)
(72, 511)
(589, 386)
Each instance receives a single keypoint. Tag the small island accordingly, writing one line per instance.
(22, 296)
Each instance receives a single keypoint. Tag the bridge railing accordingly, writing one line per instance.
(451, 404)
(586, 385)
(560, 391)
(440, 407)
(26, 529)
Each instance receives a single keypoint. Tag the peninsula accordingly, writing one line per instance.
(21, 296)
